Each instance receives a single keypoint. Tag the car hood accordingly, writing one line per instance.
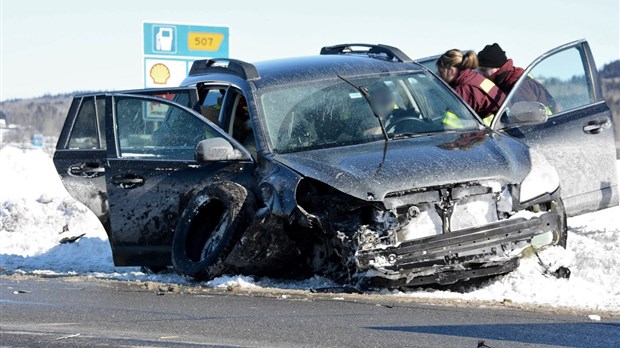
(372, 170)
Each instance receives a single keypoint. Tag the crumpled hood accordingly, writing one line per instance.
(372, 170)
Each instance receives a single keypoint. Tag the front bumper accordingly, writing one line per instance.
(469, 253)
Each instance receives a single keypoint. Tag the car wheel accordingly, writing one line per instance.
(209, 228)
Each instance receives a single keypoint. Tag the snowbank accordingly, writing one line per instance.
(36, 213)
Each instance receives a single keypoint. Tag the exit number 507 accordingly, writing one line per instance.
(204, 41)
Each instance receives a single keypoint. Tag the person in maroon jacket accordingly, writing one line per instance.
(494, 65)
(457, 69)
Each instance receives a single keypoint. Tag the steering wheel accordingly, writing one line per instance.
(409, 123)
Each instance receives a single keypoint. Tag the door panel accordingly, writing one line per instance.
(146, 199)
(80, 155)
(151, 174)
(577, 138)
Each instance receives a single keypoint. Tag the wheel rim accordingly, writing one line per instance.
(215, 237)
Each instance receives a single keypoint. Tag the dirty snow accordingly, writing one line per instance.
(36, 213)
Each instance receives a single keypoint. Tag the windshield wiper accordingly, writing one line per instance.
(418, 135)
(411, 135)
(366, 96)
(407, 135)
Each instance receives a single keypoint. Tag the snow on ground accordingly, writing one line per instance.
(36, 213)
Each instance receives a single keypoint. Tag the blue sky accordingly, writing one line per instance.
(64, 46)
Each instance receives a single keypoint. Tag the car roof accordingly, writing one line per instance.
(292, 70)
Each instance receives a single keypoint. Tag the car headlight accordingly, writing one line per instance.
(541, 179)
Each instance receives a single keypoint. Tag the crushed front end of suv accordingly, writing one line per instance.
(341, 164)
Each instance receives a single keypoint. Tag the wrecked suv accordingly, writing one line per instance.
(340, 164)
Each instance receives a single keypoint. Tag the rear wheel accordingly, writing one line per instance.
(209, 228)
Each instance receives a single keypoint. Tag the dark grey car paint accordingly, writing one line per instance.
(371, 171)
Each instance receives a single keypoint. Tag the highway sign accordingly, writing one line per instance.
(170, 49)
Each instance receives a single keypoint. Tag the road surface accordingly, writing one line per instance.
(80, 312)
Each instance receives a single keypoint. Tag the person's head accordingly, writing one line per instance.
(490, 59)
(453, 61)
(382, 99)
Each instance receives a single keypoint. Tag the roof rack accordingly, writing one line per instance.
(376, 51)
(245, 70)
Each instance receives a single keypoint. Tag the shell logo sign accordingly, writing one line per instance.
(159, 73)
(164, 72)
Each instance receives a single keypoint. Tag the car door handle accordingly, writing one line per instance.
(596, 126)
(127, 181)
(86, 170)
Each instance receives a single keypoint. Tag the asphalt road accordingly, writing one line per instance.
(72, 313)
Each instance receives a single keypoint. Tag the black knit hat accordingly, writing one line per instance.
(492, 56)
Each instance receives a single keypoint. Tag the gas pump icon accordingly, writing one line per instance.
(163, 39)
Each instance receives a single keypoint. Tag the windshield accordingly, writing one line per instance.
(333, 112)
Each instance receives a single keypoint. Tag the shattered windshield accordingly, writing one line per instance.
(330, 113)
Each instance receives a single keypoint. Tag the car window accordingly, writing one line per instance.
(173, 136)
(86, 129)
(430, 63)
(332, 112)
(239, 125)
(100, 102)
(560, 82)
(211, 103)
(435, 102)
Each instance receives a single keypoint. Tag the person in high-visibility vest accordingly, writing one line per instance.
(494, 65)
(457, 69)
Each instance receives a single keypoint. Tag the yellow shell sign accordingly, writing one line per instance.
(159, 73)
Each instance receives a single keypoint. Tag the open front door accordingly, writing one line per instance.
(151, 173)
(577, 138)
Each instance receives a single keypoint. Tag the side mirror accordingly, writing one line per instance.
(525, 114)
(216, 149)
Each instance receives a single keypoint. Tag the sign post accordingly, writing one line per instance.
(170, 50)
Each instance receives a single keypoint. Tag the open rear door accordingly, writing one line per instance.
(577, 138)
(80, 155)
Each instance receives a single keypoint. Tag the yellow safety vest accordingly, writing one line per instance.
(451, 120)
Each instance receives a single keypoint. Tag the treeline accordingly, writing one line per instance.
(43, 115)
(25, 117)
(611, 70)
